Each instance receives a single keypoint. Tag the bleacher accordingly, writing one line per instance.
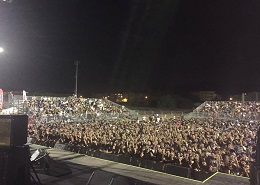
(228, 110)
(70, 109)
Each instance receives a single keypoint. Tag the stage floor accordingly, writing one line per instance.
(82, 166)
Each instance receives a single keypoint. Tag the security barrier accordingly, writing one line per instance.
(136, 161)
(124, 159)
(178, 170)
(158, 166)
(143, 163)
(107, 156)
(116, 158)
(200, 175)
(90, 152)
(82, 150)
(97, 154)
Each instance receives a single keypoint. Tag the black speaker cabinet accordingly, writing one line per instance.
(13, 130)
(15, 165)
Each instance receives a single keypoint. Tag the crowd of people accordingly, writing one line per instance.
(65, 108)
(230, 109)
(207, 145)
(202, 144)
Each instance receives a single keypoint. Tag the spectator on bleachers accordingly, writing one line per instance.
(63, 109)
(230, 110)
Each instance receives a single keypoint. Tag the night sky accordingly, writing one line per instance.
(130, 45)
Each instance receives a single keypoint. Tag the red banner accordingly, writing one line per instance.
(1, 98)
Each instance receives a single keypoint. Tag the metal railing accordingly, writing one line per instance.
(226, 116)
(83, 117)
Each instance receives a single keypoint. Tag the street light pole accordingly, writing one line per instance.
(243, 97)
(76, 83)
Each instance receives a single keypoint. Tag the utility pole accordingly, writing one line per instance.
(76, 83)
(243, 97)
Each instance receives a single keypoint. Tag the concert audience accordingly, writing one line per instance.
(207, 145)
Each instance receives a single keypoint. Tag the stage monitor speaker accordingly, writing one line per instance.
(13, 130)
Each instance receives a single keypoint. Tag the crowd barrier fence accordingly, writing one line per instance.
(225, 116)
(178, 170)
(84, 117)
(201, 175)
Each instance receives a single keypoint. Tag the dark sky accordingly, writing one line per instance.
(130, 45)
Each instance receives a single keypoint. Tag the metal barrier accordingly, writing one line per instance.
(81, 117)
(178, 170)
(201, 175)
(224, 116)
(107, 156)
(135, 161)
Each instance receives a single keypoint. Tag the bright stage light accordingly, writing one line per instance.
(1, 50)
